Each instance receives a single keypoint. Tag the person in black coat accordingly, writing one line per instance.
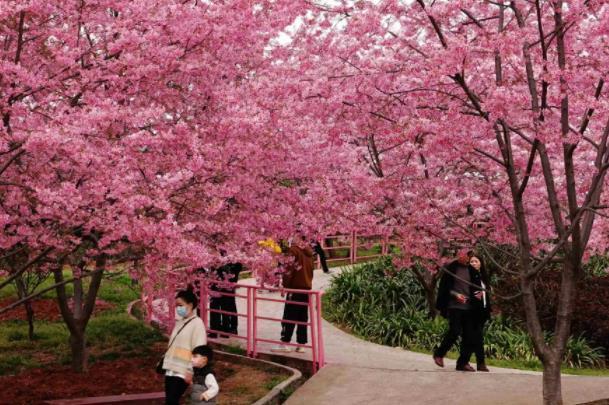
(226, 277)
(481, 307)
(319, 251)
(454, 302)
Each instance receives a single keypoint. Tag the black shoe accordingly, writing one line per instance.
(439, 361)
(464, 367)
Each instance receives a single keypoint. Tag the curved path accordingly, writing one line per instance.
(361, 372)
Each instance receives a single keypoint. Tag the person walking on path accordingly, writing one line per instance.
(481, 307)
(319, 251)
(454, 303)
(227, 276)
(298, 276)
(188, 333)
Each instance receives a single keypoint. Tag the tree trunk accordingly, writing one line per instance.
(430, 295)
(22, 293)
(552, 394)
(429, 286)
(78, 348)
(78, 317)
(30, 319)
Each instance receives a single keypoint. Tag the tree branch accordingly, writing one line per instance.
(525, 180)
(26, 266)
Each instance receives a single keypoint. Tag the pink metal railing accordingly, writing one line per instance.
(355, 243)
(251, 296)
(253, 316)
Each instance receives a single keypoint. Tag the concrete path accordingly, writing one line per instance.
(341, 347)
(347, 385)
(360, 372)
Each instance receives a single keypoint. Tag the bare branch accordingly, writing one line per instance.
(435, 25)
(488, 155)
(37, 294)
(20, 37)
(26, 266)
(11, 160)
(525, 180)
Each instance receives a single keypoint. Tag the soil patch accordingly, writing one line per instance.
(239, 384)
(45, 309)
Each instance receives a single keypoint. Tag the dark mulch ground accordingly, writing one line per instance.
(134, 375)
(44, 309)
(239, 384)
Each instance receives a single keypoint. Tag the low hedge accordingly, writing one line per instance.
(591, 314)
(388, 307)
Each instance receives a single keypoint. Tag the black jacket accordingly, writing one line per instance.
(477, 277)
(228, 273)
(446, 285)
(319, 251)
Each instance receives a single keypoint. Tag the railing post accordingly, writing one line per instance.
(353, 252)
(171, 305)
(204, 304)
(313, 321)
(254, 323)
(148, 299)
(320, 339)
(248, 333)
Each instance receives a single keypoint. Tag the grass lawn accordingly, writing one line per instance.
(110, 334)
(117, 345)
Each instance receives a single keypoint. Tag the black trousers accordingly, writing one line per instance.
(294, 312)
(223, 322)
(174, 389)
(460, 324)
(475, 343)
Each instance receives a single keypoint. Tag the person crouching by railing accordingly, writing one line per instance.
(298, 276)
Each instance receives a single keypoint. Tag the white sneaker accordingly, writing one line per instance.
(281, 349)
(300, 349)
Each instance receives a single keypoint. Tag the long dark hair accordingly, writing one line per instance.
(483, 272)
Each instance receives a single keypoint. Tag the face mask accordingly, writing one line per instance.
(181, 311)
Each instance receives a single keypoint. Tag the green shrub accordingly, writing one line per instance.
(112, 330)
(234, 349)
(579, 353)
(596, 266)
(388, 307)
(12, 364)
(16, 335)
(118, 289)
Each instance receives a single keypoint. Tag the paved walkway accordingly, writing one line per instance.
(360, 372)
(341, 347)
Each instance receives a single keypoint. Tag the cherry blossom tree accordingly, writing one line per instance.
(485, 120)
(143, 132)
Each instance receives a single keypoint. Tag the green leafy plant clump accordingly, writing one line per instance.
(386, 306)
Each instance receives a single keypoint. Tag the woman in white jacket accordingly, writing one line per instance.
(188, 333)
